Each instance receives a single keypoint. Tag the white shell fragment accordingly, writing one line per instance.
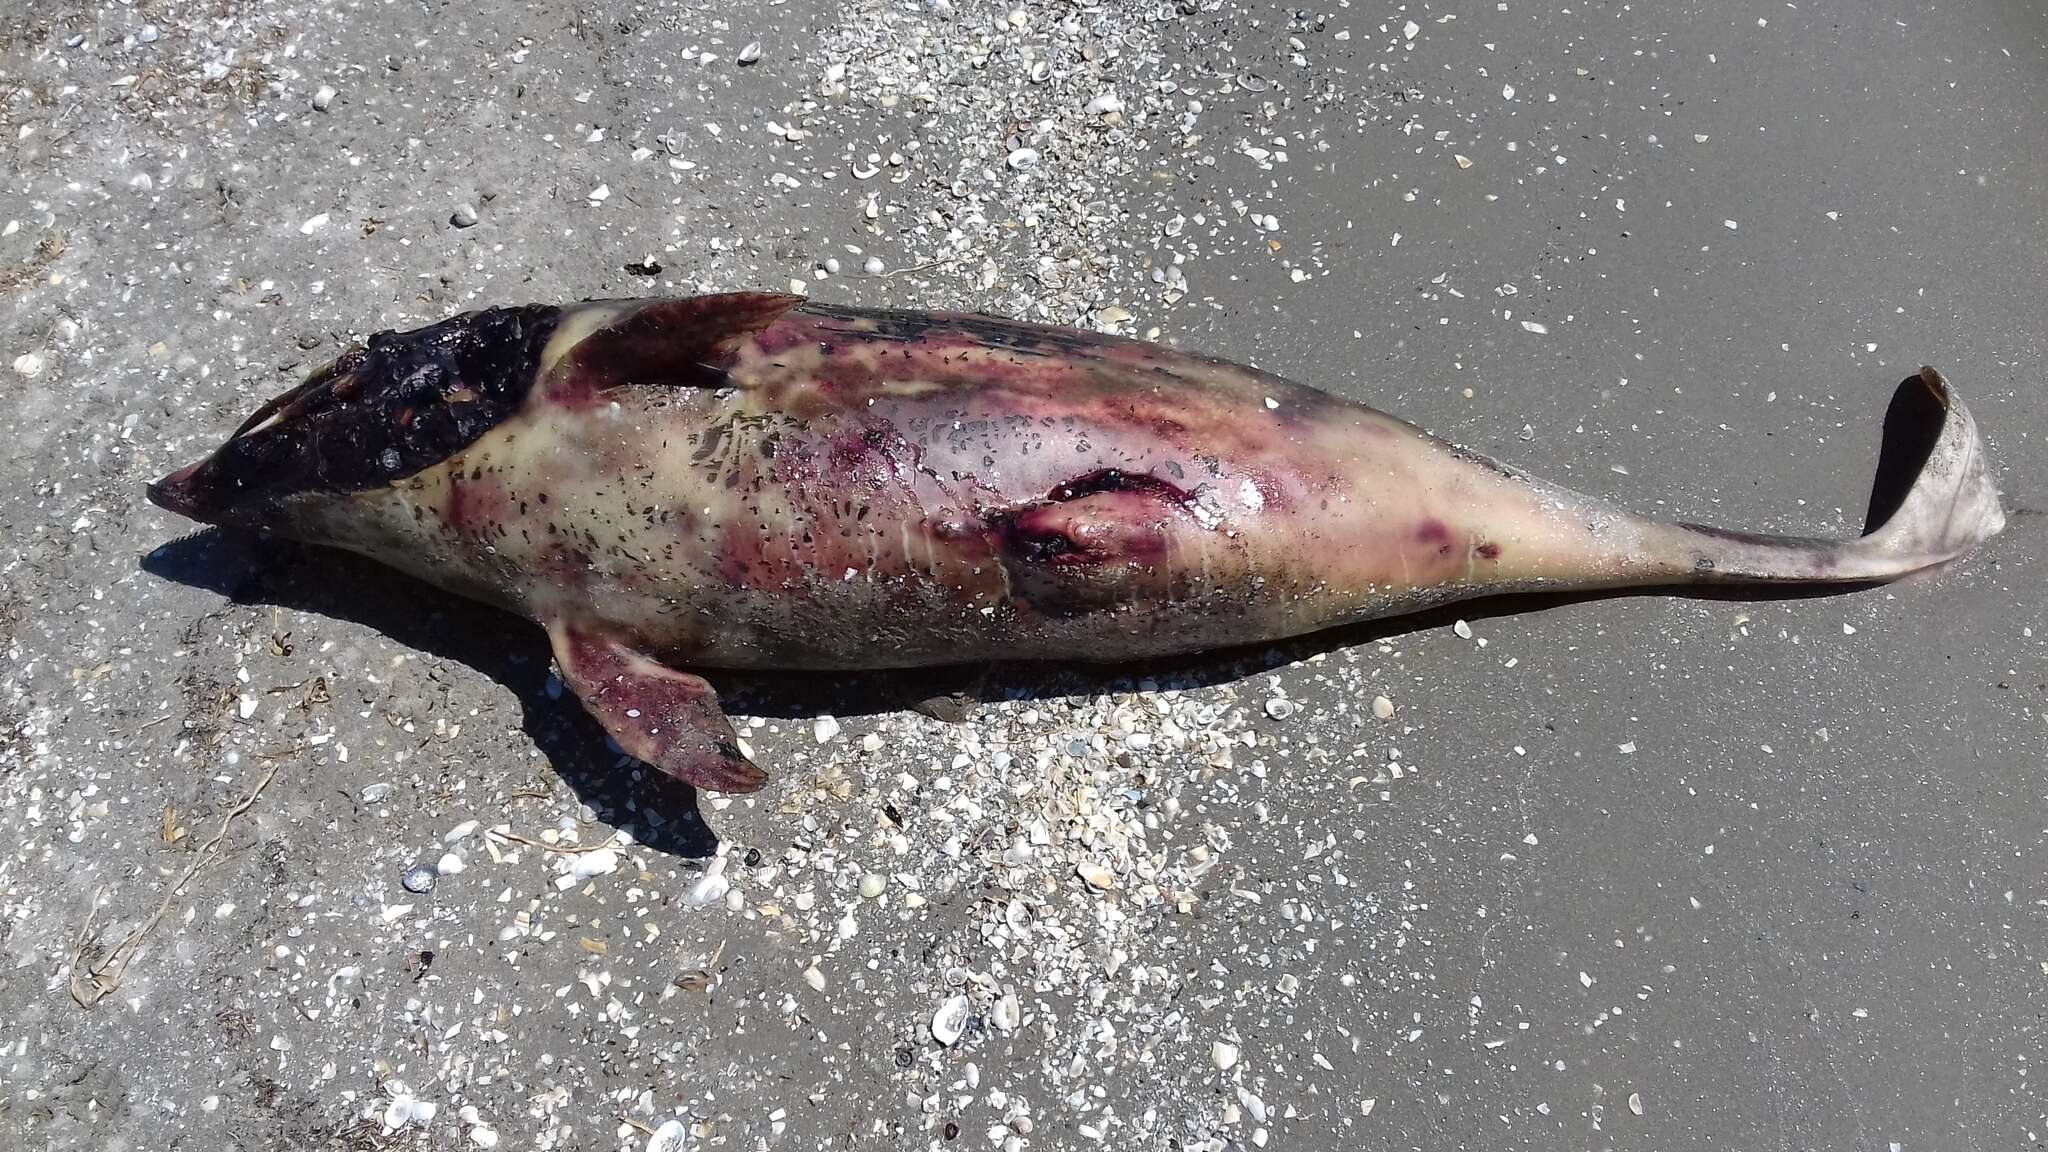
(950, 1021)
(1223, 1055)
(406, 1109)
(670, 1137)
(595, 863)
(711, 887)
(1007, 1013)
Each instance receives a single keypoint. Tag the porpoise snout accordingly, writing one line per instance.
(217, 491)
(183, 492)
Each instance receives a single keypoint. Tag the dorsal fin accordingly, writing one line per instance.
(686, 341)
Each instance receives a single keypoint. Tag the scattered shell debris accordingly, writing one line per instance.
(1258, 906)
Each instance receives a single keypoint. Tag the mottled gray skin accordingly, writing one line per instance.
(751, 481)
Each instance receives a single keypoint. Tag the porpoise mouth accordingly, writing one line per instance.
(177, 492)
(265, 458)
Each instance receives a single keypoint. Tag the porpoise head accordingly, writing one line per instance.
(390, 408)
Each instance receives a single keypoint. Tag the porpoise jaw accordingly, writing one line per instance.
(752, 480)
(179, 492)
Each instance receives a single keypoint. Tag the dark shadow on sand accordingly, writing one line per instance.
(250, 569)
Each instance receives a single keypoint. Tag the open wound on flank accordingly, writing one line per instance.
(667, 718)
(1095, 541)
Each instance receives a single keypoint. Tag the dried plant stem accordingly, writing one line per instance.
(90, 987)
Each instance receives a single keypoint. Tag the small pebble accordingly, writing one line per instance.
(1383, 707)
(1463, 630)
(825, 729)
(449, 865)
(29, 364)
(1223, 1055)
(750, 53)
(872, 884)
(874, 266)
(324, 98)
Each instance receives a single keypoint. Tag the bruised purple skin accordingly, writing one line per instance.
(752, 481)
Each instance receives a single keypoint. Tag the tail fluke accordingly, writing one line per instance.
(1933, 500)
